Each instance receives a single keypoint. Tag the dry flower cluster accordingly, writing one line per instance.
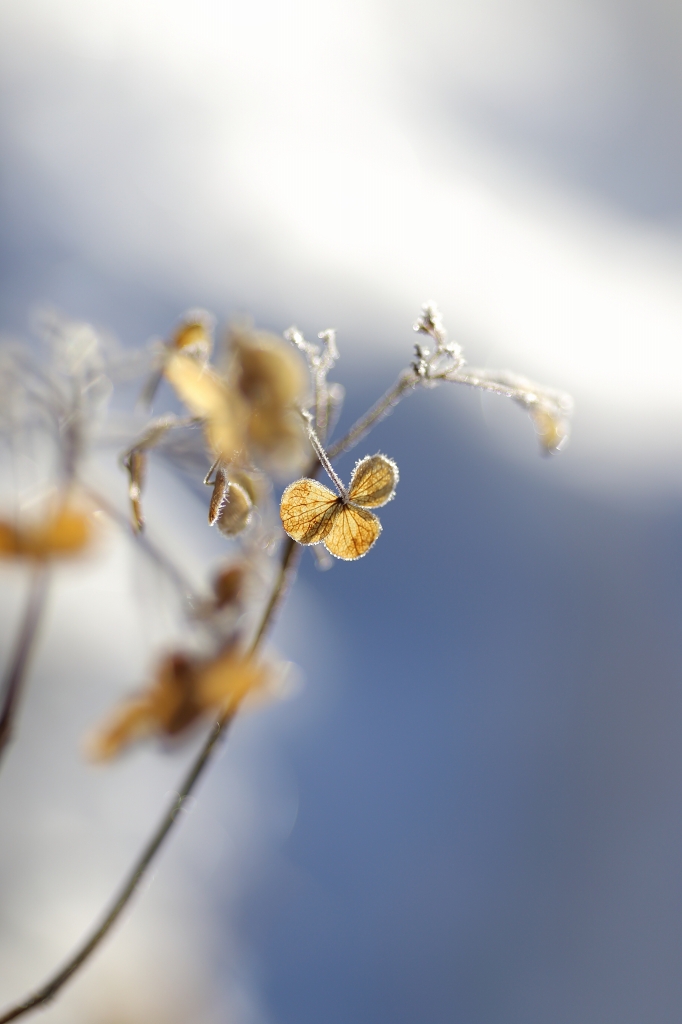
(259, 413)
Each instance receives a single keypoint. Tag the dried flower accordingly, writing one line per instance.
(312, 514)
(185, 689)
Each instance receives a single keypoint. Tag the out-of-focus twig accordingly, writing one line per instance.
(405, 382)
(25, 643)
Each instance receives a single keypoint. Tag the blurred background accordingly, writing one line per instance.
(472, 810)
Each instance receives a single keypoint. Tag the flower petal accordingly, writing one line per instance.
(353, 532)
(308, 510)
(374, 481)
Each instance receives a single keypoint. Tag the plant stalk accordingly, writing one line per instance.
(25, 644)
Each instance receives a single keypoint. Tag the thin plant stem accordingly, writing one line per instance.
(324, 461)
(25, 644)
(46, 992)
(406, 382)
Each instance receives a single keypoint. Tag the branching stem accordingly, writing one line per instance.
(16, 671)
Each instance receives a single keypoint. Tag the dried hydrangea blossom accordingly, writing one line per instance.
(248, 411)
(312, 514)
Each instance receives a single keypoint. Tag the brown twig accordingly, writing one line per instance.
(46, 992)
(16, 671)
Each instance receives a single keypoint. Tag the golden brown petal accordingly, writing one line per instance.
(228, 679)
(235, 510)
(271, 379)
(62, 533)
(374, 481)
(353, 532)
(267, 371)
(207, 397)
(132, 721)
(193, 337)
(252, 483)
(174, 698)
(308, 509)
(184, 690)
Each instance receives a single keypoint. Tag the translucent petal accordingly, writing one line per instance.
(197, 386)
(308, 510)
(235, 510)
(353, 532)
(63, 533)
(127, 723)
(374, 481)
(207, 397)
(193, 337)
(229, 678)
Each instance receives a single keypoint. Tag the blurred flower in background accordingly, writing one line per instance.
(488, 824)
